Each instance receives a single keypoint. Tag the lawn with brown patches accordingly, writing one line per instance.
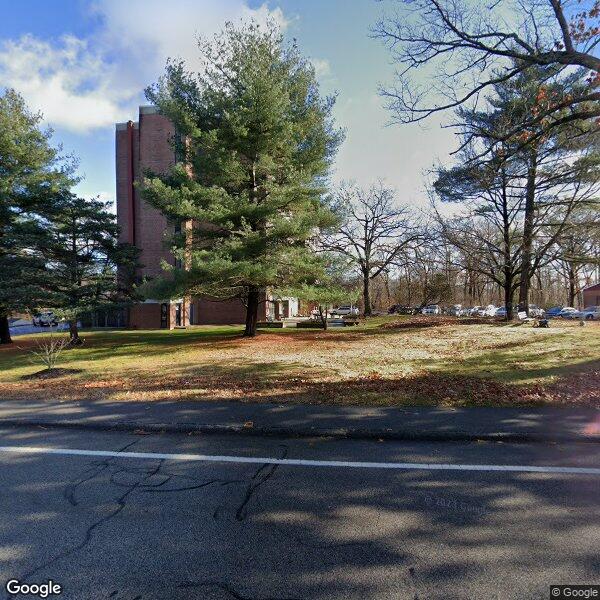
(386, 361)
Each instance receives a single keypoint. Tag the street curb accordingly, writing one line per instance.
(353, 433)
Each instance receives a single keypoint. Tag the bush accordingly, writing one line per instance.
(49, 349)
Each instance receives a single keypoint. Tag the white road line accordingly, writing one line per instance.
(297, 462)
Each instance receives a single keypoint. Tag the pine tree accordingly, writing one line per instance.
(32, 174)
(88, 269)
(256, 141)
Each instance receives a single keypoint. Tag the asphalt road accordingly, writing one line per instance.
(28, 329)
(150, 526)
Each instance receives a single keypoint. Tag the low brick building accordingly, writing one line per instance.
(143, 146)
(591, 295)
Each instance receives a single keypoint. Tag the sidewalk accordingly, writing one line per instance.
(409, 423)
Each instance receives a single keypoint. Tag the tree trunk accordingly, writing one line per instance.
(528, 233)
(252, 312)
(74, 339)
(4, 330)
(508, 298)
(386, 282)
(323, 317)
(507, 256)
(572, 285)
(367, 295)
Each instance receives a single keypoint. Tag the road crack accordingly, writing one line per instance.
(97, 468)
(261, 476)
(121, 502)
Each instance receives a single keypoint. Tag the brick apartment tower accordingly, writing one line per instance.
(141, 146)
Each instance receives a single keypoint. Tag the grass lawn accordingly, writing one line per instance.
(386, 361)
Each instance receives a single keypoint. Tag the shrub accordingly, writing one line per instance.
(49, 349)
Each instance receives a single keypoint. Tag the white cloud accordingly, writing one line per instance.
(156, 29)
(322, 67)
(55, 78)
(82, 85)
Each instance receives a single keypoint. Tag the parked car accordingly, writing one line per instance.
(501, 312)
(398, 309)
(455, 310)
(591, 313)
(45, 319)
(567, 312)
(553, 312)
(344, 311)
(432, 309)
(489, 311)
(535, 311)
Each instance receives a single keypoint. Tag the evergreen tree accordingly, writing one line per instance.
(256, 141)
(88, 269)
(31, 175)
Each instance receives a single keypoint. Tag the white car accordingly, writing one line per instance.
(535, 312)
(432, 309)
(489, 311)
(568, 312)
(344, 311)
(591, 313)
(45, 319)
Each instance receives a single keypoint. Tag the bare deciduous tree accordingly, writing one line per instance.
(374, 233)
(577, 246)
(461, 48)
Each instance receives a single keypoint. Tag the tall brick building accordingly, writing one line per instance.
(143, 146)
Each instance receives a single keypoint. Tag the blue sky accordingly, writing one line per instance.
(84, 65)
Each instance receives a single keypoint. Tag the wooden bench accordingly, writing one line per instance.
(522, 316)
(351, 321)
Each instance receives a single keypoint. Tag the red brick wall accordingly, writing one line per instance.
(151, 151)
(122, 160)
(591, 297)
(144, 316)
(147, 315)
(156, 155)
(222, 312)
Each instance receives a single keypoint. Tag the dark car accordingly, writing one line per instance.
(554, 311)
(398, 309)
